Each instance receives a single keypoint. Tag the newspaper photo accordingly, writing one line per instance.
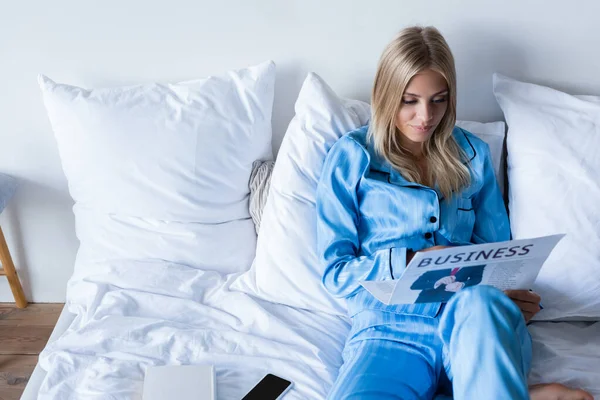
(434, 276)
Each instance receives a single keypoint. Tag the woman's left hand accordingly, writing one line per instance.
(527, 301)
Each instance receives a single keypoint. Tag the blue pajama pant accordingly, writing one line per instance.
(478, 347)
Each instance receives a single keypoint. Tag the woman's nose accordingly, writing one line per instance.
(425, 113)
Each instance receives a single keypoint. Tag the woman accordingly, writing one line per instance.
(411, 181)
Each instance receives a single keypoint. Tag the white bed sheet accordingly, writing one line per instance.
(135, 314)
(37, 376)
(568, 353)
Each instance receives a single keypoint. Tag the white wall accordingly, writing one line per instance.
(110, 42)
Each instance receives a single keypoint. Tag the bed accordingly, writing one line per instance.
(265, 337)
(164, 276)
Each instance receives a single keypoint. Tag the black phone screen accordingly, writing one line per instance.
(269, 388)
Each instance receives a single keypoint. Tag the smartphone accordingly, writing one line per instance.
(270, 387)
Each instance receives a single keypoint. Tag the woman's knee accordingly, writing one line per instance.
(483, 299)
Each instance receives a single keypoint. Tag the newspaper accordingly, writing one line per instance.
(434, 276)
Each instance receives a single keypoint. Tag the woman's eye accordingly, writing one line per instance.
(409, 102)
(440, 100)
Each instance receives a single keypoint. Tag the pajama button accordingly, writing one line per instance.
(428, 235)
(433, 220)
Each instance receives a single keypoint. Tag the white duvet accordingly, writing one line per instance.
(134, 314)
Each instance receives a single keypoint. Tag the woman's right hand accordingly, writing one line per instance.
(435, 248)
(411, 254)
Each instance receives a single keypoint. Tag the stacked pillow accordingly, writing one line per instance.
(160, 172)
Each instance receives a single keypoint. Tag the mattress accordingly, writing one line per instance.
(177, 315)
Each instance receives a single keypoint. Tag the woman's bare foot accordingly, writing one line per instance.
(556, 391)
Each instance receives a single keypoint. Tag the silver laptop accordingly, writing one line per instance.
(181, 382)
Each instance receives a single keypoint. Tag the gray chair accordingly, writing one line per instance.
(8, 186)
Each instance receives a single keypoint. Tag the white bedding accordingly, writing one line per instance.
(568, 353)
(134, 314)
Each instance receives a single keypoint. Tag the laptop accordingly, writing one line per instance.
(180, 382)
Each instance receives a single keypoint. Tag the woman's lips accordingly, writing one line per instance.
(423, 129)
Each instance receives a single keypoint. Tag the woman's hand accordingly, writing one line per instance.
(435, 248)
(411, 254)
(527, 301)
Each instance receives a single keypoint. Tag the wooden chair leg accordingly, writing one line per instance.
(8, 269)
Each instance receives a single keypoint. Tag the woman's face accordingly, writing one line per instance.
(424, 103)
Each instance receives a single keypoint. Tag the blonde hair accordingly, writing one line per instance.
(416, 49)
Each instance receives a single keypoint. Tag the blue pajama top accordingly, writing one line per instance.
(369, 216)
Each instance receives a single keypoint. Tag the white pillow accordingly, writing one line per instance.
(161, 171)
(287, 269)
(493, 133)
(553, 145)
